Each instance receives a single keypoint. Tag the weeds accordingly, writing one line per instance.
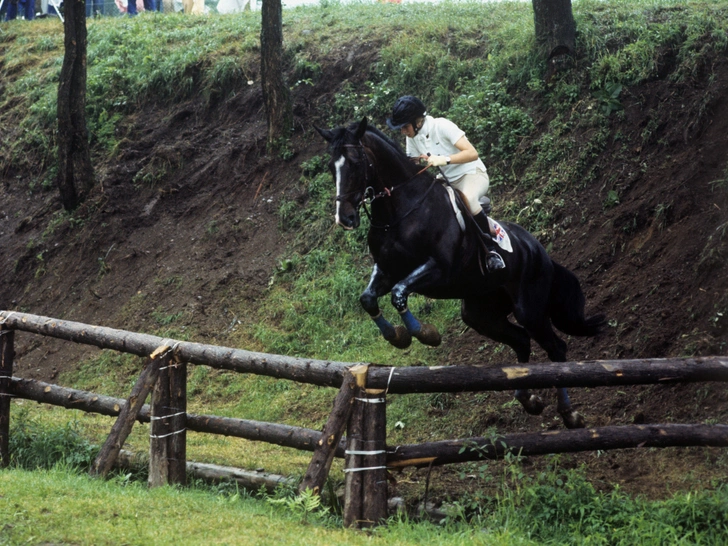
(559, 506)
(304, 506)
(36, 445)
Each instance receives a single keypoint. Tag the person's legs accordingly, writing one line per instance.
(12, 12)
(131, 8)
(29, 10)
(474, 186)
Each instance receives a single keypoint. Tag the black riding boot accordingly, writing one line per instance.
(494, 261)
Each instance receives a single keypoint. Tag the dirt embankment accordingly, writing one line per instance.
(185, 221)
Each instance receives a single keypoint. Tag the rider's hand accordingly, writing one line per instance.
(436, 161)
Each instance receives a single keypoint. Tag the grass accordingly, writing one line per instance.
(556, 506)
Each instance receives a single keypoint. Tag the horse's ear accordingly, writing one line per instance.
(328, 135)
(361, 129)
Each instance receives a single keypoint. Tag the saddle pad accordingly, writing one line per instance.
(501, 235)
(458, 214)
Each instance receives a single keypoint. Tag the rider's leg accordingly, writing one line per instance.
(473, 187)
(494, 261)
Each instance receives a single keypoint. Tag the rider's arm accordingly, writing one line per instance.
(465, 154)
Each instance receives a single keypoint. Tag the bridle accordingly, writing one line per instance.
(369, 195)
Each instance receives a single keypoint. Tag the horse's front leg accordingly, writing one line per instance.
(420, 278)
(379, 284)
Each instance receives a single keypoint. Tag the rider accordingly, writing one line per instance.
(443, 144)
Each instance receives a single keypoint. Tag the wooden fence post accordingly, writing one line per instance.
(325, 450)
(168, 433)
(365, 504)
(178, 440)
(128, 414)
(353, 513)
(375, 439)
(7, 353)
(159, 431)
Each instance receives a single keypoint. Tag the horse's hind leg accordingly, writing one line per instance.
(539, 327)
(490, 319)
(378, 286)
(572, 419)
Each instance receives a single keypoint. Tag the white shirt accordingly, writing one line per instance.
(438, 137)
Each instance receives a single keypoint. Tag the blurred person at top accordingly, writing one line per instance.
(24, 8)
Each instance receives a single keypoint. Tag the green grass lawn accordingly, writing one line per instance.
(62, 507)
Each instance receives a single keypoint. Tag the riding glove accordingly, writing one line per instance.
(438, 161)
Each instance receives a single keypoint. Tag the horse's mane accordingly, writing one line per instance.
(388, 143)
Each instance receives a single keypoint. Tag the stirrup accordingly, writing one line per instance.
(494, 262)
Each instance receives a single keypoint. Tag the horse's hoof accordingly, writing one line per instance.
(573, 419)
(429, 335)
(402, 338)
(534, 405)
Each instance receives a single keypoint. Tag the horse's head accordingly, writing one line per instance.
(350, 166)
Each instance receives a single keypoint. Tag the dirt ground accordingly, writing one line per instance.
(185, 221)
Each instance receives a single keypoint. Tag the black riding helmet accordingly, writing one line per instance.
(406, 110)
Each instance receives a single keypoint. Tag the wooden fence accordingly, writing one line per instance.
(359, 408)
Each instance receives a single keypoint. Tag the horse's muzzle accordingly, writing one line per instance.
(348, 221)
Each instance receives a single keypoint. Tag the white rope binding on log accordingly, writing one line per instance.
(355, 452)
(391, 373)
(8, 377)
(158, 436)
(346, 470)
(156, 418)
(7, 317)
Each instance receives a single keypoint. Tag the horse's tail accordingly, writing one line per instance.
(566, 306)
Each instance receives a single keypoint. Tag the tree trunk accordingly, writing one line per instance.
(75, 173)
(555, 33)
(276, 96)
(555, 27)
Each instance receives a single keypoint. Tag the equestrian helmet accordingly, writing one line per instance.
(406, 110)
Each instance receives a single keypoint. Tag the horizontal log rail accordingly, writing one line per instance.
(249, 479)
(593, 373)
(401, 380)
(302, 370)
(557, 441)
(437, 453)
(283, 435)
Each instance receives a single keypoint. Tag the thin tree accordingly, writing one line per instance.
(555, 31)
(276, 95)
(75, 173)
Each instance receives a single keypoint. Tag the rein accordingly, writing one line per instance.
(369, 195)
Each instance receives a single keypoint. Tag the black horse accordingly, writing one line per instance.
(419, 246)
